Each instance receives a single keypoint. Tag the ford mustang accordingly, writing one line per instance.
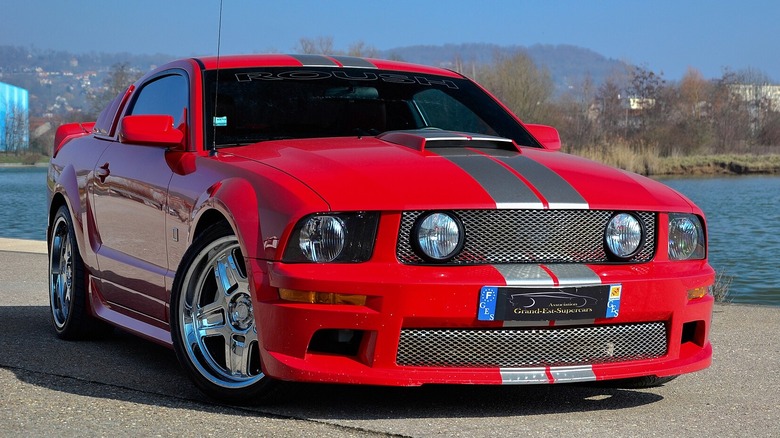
(333, 219)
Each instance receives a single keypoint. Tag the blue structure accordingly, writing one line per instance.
(14, 119)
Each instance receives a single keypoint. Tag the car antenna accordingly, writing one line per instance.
(213, 150)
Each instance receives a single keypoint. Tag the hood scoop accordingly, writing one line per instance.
(422, 139)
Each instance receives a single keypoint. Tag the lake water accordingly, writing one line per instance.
(23, 202)
(743, 214)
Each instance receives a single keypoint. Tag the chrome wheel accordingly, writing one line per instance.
(216, 322)
(61, 272)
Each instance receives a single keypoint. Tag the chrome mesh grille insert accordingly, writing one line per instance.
(514, 348)
(530, 236)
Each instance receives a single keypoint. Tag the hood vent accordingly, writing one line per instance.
(422, 139)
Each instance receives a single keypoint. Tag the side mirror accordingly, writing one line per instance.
(547, 136)
(151, 130)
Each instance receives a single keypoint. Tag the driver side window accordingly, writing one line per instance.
(166, 95)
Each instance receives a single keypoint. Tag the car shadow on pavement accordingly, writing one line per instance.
(123, 367)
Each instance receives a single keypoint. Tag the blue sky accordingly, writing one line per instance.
(663, 35)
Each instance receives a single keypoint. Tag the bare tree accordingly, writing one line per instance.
(729, 114)
(16, 134)
(361, 49)
(575, 115)
(517, 82)
(120, 76)
(322, 45)
(612, 114)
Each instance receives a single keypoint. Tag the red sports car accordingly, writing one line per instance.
(336, 219)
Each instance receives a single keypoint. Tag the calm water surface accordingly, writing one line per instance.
(743, 215)
(23, 202)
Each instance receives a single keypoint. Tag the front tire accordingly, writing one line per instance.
(213, 323)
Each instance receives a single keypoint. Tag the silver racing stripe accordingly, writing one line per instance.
(507, 191)
(520, 376)
(534, 275)
(574, 274)
(525, 275)
(351, 61)
(582, 373)
(315, 61)
(556, 190)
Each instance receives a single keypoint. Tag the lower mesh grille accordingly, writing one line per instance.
(531, 347)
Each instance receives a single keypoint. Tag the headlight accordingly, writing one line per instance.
(438, 236)
(623, 236)
(322, 238)
(333, 237)
(686, 237)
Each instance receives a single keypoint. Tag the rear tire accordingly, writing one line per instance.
(212, 321)
(68, 301)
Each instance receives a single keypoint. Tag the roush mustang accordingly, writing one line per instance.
(335, 219)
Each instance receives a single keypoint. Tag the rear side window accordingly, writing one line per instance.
(166, 95)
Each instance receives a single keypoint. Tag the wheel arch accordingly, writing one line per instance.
(65, 192)
(234, 202)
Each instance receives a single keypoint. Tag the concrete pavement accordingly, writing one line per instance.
(123, 386)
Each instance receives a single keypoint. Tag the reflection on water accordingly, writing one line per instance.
(744, 231)
(23, 202)
(742, 212)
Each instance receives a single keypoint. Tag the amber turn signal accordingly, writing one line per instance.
(699, 292)
(311, 297)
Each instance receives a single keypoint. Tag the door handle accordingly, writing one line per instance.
(103, 172)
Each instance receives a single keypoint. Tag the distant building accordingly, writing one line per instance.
(769, 94)
(14, 119)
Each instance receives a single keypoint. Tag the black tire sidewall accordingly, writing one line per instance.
(78, 322)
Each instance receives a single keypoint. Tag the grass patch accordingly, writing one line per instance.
(648, 161)
(721, 290)
(23, 159)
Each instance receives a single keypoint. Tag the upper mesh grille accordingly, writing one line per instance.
(530, 236)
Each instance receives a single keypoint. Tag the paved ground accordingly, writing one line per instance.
(122, 386)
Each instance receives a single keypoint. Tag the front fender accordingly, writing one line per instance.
(261, 208)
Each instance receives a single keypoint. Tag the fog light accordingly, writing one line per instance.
(311, 297)
(699, 292)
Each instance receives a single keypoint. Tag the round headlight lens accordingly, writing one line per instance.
(322, 238)
(623, 235)
(686, 238)
(439, 236)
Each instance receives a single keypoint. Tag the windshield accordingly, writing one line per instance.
(254, 105)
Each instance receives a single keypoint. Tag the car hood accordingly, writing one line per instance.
(404, 173)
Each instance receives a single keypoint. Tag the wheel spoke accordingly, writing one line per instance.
(212, 315)
(237, 352)
(229, 278)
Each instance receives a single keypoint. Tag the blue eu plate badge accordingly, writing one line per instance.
(487, 303)
(613, 303)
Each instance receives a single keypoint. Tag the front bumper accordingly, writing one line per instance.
(359, 344)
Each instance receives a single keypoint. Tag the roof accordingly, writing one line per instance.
(280, 60)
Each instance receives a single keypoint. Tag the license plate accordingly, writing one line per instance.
(500, 303)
